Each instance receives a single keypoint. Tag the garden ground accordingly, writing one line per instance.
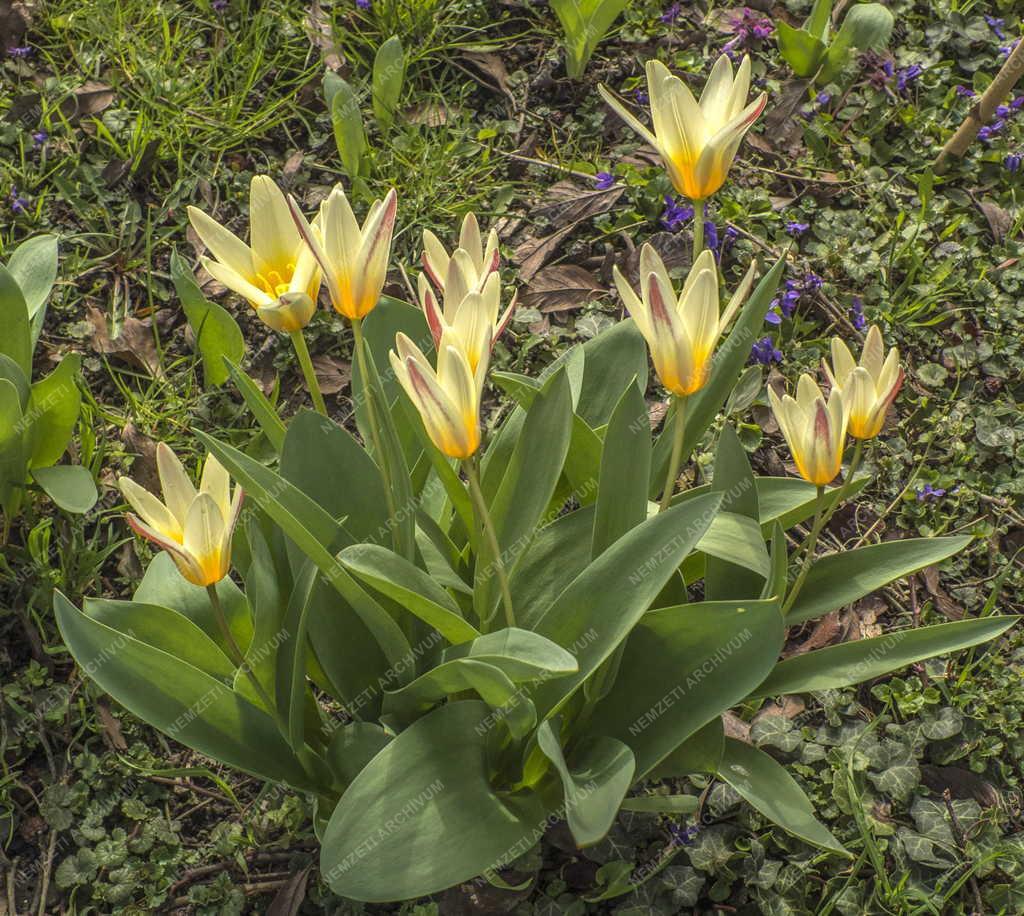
(117, 114)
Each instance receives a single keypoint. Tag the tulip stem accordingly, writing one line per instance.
(820, 517)
(235, 653)
(698, 229)
(678, 430)
(371, 420)
(485, 522)
(308, 372)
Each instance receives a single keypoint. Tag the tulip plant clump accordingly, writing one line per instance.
(452, 640)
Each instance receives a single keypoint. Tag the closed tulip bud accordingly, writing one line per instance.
(448, 400)
(354, 258)
(814, 428)
(697, 141)
(681, 331)
(467, 310)
(195, 528)
(480, 261)
(868, 387)
(276, 267)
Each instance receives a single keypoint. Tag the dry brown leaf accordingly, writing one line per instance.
(999, 221)
(111, 725)
(89, 99)
(429, 114)
(320, 34)
(566, 202)
(293, 163)
(491, 66)
(824, 633)
(135, 343)
(534, 253)
(735, 727)
(333, 374)
(943, 602)
(560, 288)
(289, 899)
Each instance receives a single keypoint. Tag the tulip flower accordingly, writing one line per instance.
(697, 141)
(467, 309)
(277, 272)
(681, 331)
(354, 259)
(448, 400)
(868, 387)
(479, 261)
(195, 528)
(814, 428)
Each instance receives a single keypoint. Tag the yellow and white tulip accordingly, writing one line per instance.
(354, 258)
(697, 141)
(479, 261)
(868, 387)
(681, 331)
(276, 272)
(814, 428)
(448, 399)
(194, 527)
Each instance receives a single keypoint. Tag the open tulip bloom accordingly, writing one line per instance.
(354, 258)
(448, 399)
(276, 272)
(868, 387)
(814, 428)
(194, 527)
(480, 261)
(697, 141)
(681, 330)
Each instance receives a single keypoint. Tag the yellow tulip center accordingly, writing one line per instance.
(276, 283)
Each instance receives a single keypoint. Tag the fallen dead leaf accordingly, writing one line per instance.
(293, 163)
(565, 202)
(534, 253)
(491, 66)
(332, 374)
(560, 288)
(321, 35)
(999, 221)
(111, 725)
(89, 99)
(135, 343)
(735, 727)
(943, 602)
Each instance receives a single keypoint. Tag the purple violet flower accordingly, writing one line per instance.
(363, 4)
(1012, 162)
(996, 25)
(671, 14)
(765, 352)
(773, 316)
(857, 314)
(20, 53)
(19, 204)
(965, 93)
(928, 492)
(908, 75)
(711, 237)
(40, 137)
(676, 214)
(603, 181)
(796, 229)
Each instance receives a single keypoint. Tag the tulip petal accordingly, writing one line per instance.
(255, 296)
(628, 117)
(185, 562)
(177, 487)
(155, 514)
(216, 481)
(435, 259)
(275, 240)
(224, 245)
(471, 241)
(204, 538)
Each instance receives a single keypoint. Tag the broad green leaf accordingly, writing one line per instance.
(388, 76)
(324, 461)
(724, 578)
(34, 266)
(854, 662)
(683, 667)
(839, 579)
(700, 753)
(217, 334)
(11, 372)
(775, 585)
(820, 20)
(315, 533)
(163, 585)
(585, 23)
(164, 629)
(729, 361)
(559, 552)
(867, 26)
(625, 471)
(801, 50)
(427, 790)
(70, 486)
(290, 679)
(594, 785)
(16, 340)
(526, 487)
(410, 587)
(768, 786)
(662, 804)
(183, 702)
(450, 679)
(265, 594)
(600, 607)
(739, 539)
(353, 746)
(612, 360)
(790, 501)
(522, 654)
(347, 123)
(54, 406)
(261, 408)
